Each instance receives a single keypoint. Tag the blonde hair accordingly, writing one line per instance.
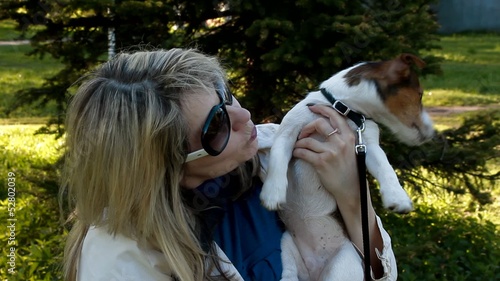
(126, 145)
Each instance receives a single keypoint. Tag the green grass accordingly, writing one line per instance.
(471, 71)
(38, 232)
(8, 32)
(19, 71)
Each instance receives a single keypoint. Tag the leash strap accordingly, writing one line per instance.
(363, 189)
(359, 120)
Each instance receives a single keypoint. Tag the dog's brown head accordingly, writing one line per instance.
(399, 89)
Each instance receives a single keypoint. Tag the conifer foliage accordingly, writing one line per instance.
(274, 50)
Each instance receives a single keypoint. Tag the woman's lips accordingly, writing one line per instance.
(253, 136)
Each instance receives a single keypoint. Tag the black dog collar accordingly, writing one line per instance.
(343, 109)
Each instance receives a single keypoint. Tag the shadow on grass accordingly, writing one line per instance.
(35, 177)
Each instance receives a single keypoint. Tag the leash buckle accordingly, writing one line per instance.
(360, 146)
(341, 108)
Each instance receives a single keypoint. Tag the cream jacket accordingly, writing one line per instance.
(117, 258)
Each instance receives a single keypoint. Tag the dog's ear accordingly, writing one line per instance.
(386, 72)
(401, 66)
(410, 59)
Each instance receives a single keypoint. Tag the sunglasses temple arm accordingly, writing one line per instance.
(195, 155)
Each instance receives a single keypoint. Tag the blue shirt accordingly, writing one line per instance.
(249, 234)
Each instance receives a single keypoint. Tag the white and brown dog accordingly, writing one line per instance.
(315, 246)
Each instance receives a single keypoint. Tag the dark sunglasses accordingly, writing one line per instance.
(216, 130)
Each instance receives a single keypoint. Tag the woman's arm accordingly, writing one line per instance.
(351, 213)
(335, 161)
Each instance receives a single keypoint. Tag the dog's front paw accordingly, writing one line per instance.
(273, 195)
(397, 201)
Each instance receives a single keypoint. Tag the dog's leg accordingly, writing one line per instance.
(345, 265)
(273, 191)
(394, 197)
(294, 268)
(275, 185)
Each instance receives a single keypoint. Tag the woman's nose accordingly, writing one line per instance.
(238, 116)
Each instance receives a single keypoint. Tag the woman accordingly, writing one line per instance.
(161, 167)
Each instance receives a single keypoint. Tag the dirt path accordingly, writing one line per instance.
(14, 42)
(448, 110)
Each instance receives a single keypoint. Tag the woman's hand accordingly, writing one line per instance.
(332, 155)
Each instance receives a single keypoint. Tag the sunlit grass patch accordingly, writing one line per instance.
(24, 121)
(39, 233)
(463, 84)
(471, 71)
(29, 155)
(442, 122)
(480, 48)
(7, 30)
(21, 141)
(457, 97)
(456, 199)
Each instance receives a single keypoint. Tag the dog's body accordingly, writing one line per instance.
(315, 246)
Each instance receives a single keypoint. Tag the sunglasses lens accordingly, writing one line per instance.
(217, 134)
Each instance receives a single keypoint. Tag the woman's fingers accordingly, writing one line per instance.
(335, 118)
(328, 145)
(320, 126)
(333, 124)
